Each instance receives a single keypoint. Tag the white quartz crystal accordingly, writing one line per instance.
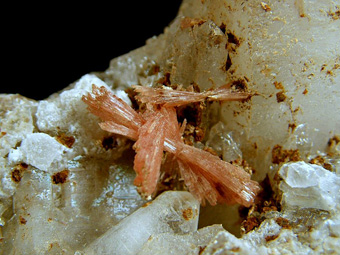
(66, 186)
(309, 186)
(171, 212)
(39, 150)
(170, 243)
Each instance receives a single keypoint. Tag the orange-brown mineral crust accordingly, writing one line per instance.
(284, 223)
(68, 141)
(280, 97)
(335, 140)
(250, 224)
(279, 155)
(60, 177)
(18, 171)
(189, 22)
(22, 220)
(187, 214)
(321, 161)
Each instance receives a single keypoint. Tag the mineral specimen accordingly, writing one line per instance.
(67, 185)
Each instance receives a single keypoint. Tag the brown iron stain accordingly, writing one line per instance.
(235, 113)
(243, 164)
(284, 223)
(18, 171)
(232, 38)
(16, 175)
(280, 97)
(223, 27)
(266, 70)
(271, 238)
(65, 140)
(239, 85)
(250, 224)
(22, 220)
(305, 92)
(279, 155)
(210, 150)
(189, 22)
(278, 85)
(187, 214)
(265, 202)
(335, 15)
(330, 72)
(147, 204)
(154, 70)
(292, 127)
(321, 161)
(266, 199)
(199, 134)
(165, 80)
(227, 64)
(335, 140)
(268, 207)
(235, 249)
(265, 7)
(60, 177)
(202, 248)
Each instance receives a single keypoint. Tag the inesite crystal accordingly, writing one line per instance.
(157, 129)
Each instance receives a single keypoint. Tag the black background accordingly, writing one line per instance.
(47, 47)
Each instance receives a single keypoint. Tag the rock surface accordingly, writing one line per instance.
(60, 173)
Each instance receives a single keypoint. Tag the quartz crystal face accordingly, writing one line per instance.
(67, 186)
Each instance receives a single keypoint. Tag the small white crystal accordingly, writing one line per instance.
(41, 150)
(309, 186)
(15, 155)
(226, 243)
(223, 143)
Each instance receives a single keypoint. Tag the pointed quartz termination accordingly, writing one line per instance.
(172, 212)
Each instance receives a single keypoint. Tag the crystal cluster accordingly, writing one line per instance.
(157, 129)
(67, 185)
